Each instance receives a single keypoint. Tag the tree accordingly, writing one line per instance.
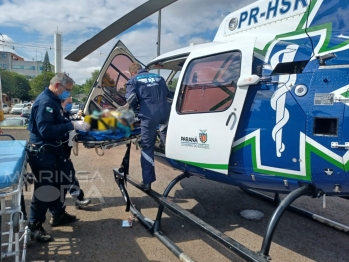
(38, 83)
(77, 89)
(22, 87)
(15, 85)
(90, 81)
(46, 66)
(7, 83)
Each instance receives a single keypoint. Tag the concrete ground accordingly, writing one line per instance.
(98, 235)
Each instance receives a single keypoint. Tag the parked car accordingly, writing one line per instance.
(26, 112)
(17, 109)
(14, 121)
(75, 109)
(5, 108)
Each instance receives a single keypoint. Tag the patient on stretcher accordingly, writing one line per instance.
(111, 124)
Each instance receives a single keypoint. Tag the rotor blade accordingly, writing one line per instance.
(116, 28)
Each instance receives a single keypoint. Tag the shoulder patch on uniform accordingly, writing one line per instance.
(49, 109)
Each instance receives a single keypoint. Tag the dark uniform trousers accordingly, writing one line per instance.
(74, 187)
(150, 92)
(53, 172)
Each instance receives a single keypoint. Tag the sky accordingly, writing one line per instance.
(27, 28)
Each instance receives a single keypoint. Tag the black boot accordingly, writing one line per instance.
(61, 219)
(38, 233)
(145, 187)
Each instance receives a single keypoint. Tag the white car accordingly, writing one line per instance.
(5, 108)
(17, 109)
(75, 109)
(14, 121)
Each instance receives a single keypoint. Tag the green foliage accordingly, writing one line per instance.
(15, 85)
(46, 66)
(173, 83)
(38, 83)
(77, 89)
(90, 81)
(22, 87)
(7, 82)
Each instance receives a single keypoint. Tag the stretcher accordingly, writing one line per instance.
(13, 161)
(101, 140)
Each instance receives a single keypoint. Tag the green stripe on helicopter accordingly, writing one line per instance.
(309, 149)
(206, 166)
(326, 27)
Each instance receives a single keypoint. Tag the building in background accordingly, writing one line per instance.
(6, 100)
(14, 63)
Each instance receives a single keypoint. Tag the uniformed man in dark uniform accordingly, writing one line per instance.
(150, 92)
(74, 186)
(47, 159)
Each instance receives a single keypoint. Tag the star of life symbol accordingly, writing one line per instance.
(278, 99)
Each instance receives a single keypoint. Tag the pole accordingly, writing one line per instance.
(159, 36)
(36, 62)
(1, 110)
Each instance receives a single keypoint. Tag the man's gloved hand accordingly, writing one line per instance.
(72, 134)
(81, 125)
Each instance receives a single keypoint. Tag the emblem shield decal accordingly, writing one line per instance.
(203, 136)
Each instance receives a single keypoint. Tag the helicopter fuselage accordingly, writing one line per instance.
(264, 105)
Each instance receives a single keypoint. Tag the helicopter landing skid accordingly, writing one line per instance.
(121, 176)
(276, 200)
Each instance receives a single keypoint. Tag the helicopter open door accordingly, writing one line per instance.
(108, 91)
(207, 106)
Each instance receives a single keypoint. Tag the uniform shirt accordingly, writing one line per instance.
(150, 92)
(47, 123)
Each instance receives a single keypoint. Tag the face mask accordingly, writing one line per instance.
(68, 107)
(64, 95)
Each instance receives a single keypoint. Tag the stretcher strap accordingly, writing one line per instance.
(97, 152)
(75, 148)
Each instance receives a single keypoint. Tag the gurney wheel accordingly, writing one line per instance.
(15, 222)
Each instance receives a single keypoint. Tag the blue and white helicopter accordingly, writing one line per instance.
(264, 106)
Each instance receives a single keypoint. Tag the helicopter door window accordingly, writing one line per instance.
(110, 77)
(115, 78)
(122, 63)
(209, 83)
(121, 86)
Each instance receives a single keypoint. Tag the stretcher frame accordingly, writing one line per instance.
(101, 146)
(18, 232)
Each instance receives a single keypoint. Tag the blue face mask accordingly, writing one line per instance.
(64, 95)
(68, 107)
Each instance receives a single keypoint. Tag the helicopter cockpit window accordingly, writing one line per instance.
(115, 78)
(209, 83)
